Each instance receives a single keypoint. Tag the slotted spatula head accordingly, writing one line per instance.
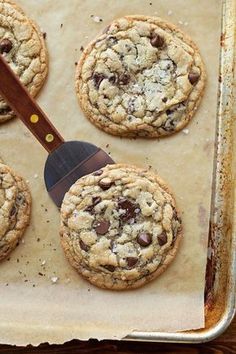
(67, 161)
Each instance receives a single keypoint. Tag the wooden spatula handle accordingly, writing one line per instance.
(27, 109)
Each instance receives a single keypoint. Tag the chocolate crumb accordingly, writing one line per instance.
(44, 35)
(61, 25)
(81, 48)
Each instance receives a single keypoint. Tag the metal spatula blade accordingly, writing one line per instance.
(67, 161)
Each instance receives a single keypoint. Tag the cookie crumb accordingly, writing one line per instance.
(54, 280)
(43, 262)
(169, 13)
(67, 281)
(35, 175)
(180, 22)
(22, 241)
(185, 131)
(185, 23)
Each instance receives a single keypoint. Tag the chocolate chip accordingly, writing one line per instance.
(144, 239)
(105, 183)
(124, 79)
(96, 200)
(113, 79)
(20, 199)
(162, 239)
(168, 112)
(102, 227)
(5, 46)
(164, 99)
(13, 211)
(157, 41)
(98, 78)
(83, 246)
(131, 209)
(193, 78)
(109, 267)
(112, 40)
(98, 173)
(131, 261)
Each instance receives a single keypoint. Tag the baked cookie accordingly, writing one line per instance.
(22, 45)
(120, 227)
(142, 77)
(15, 205)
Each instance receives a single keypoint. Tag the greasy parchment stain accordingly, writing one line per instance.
(33, 308)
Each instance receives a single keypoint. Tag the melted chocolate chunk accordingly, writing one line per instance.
(131, 261)
(131, 209)
(98, 173)
(124, 79)
(144, 239)
(162, 239)
(109, 267)
(157, 41)
(95, 201)
(98, 78)
(83, 246)
(105, 184)
(5, 46)
(102, 227)
(193, 78)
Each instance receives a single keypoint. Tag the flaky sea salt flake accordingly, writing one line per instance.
(54, 280)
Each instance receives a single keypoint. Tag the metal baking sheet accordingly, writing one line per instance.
(220, 291)
(217, 313)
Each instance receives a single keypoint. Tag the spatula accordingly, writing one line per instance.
(67, 161)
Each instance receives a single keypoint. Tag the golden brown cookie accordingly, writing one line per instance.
(120, 227)
(143, 77)
(15, 205)
(22, 44)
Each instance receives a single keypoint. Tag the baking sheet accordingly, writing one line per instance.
(32, 309)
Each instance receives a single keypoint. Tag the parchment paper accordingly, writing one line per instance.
(32, 308)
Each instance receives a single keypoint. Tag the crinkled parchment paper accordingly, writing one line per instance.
(33, 309)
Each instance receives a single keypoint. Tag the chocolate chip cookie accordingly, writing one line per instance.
(120, 227)
(15, 205)
(143, 77)
(22, 45)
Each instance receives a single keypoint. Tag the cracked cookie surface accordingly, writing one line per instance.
(141, 77)
(120, 227)
(15, 205)
(22, 45)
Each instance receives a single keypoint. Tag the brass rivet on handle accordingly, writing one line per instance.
(49, 138)
(34, 118)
